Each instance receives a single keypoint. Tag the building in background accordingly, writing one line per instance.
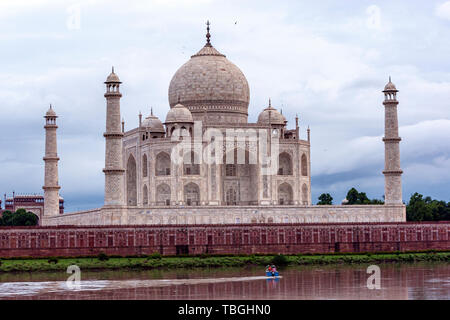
(31, 203)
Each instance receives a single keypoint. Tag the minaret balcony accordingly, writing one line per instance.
(113, 94)
(50, 158)
(393, 139)
(392, 172)
(113, 134)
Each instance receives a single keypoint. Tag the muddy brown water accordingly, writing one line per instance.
(397, 281)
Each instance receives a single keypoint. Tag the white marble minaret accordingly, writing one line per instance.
(51, 187)
(114, 171)
(392, 172)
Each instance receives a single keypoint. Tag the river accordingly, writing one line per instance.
(397, 281)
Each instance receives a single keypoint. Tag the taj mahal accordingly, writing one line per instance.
(206, 164)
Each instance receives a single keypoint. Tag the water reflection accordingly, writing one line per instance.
(399, 281)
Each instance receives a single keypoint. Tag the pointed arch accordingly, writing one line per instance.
(145, 195)
(163, 194)
(305, 198)
(184, 132)
(304, 164)
(285, 194)
(144, 165)
(162, 166)
(284, 164)
(191, 194)
(131, 181)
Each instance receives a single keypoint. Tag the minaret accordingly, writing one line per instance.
(392, 172)
(51, 188)
(114, 171)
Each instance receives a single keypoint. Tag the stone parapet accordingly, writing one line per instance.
(191, 215)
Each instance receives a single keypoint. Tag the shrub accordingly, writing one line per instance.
(155, 255)
(102, 256)
(53, 260)
(280, 260)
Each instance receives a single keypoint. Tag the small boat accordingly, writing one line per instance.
(271, 271)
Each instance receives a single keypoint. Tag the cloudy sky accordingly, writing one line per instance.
(325, 60)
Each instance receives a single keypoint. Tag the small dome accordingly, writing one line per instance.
(50, 112)
(284, 118)
(112, 77)
(153, 124)
(390, 86)
(271, 115)
(179, 113)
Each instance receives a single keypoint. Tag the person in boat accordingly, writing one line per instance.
(274, 270)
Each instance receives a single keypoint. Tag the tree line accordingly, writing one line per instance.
(20, 217)
(419, 208)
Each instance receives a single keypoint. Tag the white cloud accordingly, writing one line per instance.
(443, 10)
(329, 66)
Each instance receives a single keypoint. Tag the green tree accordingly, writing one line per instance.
(355, 197)
(376, 201)
(325, 199)
(352, 196)
(426, 209)
(19, 218)
(362, 198)
(7, 217)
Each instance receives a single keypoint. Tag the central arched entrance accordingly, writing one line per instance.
(240, 177)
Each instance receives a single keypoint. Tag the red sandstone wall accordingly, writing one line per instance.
(220, 239)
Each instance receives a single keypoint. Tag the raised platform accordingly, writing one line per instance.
(192, 215)
(224, 239)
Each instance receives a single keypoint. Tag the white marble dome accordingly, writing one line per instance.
(50, 112)
(153, 124)
(209, 81)
(112, 77)
(271, 115)
(179, 114)
(390, 86)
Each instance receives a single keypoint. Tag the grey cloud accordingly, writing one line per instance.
(314, 59)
